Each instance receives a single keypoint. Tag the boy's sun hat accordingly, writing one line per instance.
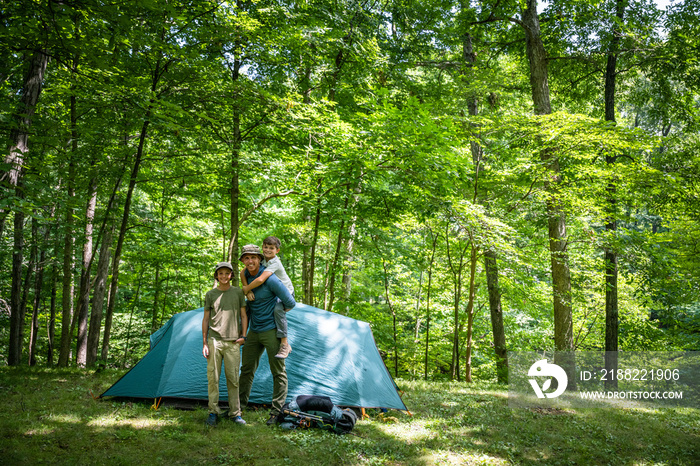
(222, 265)
(251, 249)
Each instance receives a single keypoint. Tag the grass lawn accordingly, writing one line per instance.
(50, 417)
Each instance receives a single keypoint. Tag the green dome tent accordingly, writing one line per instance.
(332, 356)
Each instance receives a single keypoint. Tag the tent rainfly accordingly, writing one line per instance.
(333, 356)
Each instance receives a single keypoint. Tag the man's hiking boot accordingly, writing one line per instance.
(284, 351)
(211, 420)
(238, 420)
(272, 421)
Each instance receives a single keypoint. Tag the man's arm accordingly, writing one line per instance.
(205, 331)
(257, 282)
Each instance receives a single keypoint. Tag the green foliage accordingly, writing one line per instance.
(370, 115)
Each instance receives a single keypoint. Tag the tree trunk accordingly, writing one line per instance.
(31, 89)
(38, 282)
(332, 270)
(457, 296)
(499, 333)
(131, 318)
(68, 245)
(120, 242)
(156, 296)
(470, 313)
(67, 283)
(19, 135)
(393, 316)
(235, 172)
(427, 302)
(84, 293)
(350, 246)
(114, 286)
(51, 324)
(611, 271)
(418, 298)
(98, 297)
(490, 258)
(311, 266)
(14, 354)
(556, 217)
(235, 195)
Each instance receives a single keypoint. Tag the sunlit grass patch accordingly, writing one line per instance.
(135, 423)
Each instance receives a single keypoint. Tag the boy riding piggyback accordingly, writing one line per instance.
(273, 264)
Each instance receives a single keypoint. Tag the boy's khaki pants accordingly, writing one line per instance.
(230, 353)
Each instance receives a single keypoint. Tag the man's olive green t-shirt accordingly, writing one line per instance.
(225, 312)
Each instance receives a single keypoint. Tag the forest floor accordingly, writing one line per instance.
(50, 416)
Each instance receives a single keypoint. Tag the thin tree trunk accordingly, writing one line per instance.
(69, 243)
(470, 314)
(336, 258)
(309, 284)
(16, 319)
(306, 253)
(165, 302)
(499, 334)
(114, 286)
(427, 302)
(67, 283)
(393, 317)
(98, 297)
(38, 282)
(27, 284)
(235, 173)
(457, 289)
(51, 324)
(350, 246)
(235, 195)
(84, 293)
(611, 271)
(156, 295)
(556, 217)
(131, 318)
(418, 298)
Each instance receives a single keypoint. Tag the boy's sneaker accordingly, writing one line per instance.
(238, 420)
(211, 420)
(284, 351)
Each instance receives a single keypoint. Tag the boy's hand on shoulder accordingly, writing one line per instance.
(250, 296)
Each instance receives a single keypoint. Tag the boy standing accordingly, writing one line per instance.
(224, 328)
(273, 264)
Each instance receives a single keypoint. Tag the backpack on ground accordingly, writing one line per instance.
(306, 411)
